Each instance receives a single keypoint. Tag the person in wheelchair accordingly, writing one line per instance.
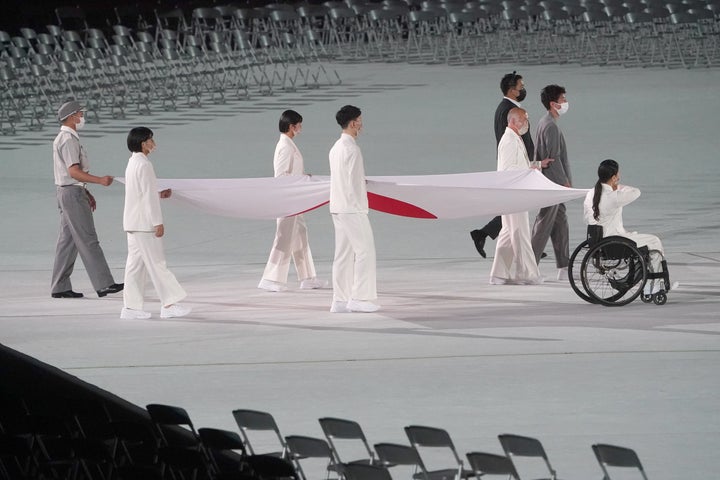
(604, 205)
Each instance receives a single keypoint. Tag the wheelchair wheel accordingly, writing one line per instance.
(613, 272)
(574, 271)
(660, 298)
(646, 298)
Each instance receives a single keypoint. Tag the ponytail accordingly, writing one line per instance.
(596, 200)
(606, 170)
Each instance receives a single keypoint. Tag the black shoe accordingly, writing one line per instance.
(543, 255)
(479, 237)
(67, 294)
(114, 288)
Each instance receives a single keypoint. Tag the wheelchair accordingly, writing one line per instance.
(613, 271)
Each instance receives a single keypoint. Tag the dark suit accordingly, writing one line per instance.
(492, 229)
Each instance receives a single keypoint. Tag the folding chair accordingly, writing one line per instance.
(422, 438)
(174, 426)
(71, 18)
(484, 464)
(425, 33)
(134, 444)
(253, 420)
(614, 456)
(180, 451)
(392, 455)
(355, 471)
(346, 430)
(303, 449)
(519, 446)
(225, 450)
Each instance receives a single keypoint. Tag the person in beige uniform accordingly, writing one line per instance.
(76, 205)
(354, 269)
(143, 222)
(291, 236)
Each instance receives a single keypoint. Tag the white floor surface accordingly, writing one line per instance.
(447, 349)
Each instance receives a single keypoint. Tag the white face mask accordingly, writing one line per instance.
(80, 123)
(563, 108)
(524, 129)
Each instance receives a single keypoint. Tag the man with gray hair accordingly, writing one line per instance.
(76, 204)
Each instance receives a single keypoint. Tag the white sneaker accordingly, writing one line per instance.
(362, 306)
(497, 281)
(534, 281)
(313, 283)
(175, 310)
(271, 286)
(339, 307)
(563, 274)
(131, 314)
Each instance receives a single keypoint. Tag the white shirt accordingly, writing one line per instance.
(348, 192)
(287, 160)
(67, 152)
(142, 200)
(611, 206)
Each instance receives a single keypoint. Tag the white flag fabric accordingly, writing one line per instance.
(462, 195)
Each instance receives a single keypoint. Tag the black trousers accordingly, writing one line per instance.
(492, 229)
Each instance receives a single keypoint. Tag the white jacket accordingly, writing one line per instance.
(348, 192)
(142, 200)
(287, 160)
(611, 207)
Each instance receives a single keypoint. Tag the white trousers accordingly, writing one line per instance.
(291, 242)
(514, 258)
(653, 244)
(146, 258)
(354, 265)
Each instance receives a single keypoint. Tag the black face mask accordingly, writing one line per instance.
(522, 94)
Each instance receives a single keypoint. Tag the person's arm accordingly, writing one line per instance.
(588, 213)
(77, 173)
(149, 192)
(626, 194)
(283, 161)
(552, 141)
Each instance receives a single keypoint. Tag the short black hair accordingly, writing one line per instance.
(288, 118)
(347, 114)
(509, 81)
(136, 137)
(551, 93)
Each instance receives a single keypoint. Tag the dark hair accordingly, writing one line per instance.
(509, 81)
(551, 93)
(347, 114)
(288, 118)
(607, 169)
(136, 137)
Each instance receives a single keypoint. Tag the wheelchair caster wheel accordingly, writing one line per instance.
(660, 298)
(646, 298)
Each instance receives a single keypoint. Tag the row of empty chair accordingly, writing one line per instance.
(76, 438)
(163, 60)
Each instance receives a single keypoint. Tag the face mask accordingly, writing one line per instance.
(522, 94)
(80, 124)
(563, 108)
(524, 129)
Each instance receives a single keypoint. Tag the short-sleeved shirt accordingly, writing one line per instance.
(67, 151)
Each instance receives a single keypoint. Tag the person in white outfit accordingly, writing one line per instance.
(354, 269)
(143, 222)
(604, 206)
(514, 261)
(291, 237)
